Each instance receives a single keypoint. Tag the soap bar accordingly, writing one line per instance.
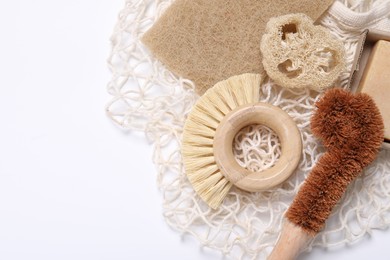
(376, 80)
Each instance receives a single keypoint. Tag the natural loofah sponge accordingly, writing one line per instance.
(208, 41)
(298, 54)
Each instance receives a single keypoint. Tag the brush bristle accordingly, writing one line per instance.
(351, 128)
(200, 128)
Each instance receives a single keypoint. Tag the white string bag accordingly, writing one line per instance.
(147, 97)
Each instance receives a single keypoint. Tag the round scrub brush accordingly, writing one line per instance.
(351, 129)
(211, 127)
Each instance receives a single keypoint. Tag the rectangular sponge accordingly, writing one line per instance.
(376, 81)
(207, 41)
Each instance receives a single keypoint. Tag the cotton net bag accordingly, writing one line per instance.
(147, 97)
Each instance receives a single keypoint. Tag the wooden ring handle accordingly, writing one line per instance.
(264, 114)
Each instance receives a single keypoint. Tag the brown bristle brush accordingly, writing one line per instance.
(351, 128)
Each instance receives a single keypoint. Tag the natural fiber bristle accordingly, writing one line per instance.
(351, 128)
(200, 128)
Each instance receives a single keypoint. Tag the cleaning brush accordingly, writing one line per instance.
(351, 128)
(208, 137)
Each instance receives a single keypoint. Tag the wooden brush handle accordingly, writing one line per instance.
(291, 242)
(266, 115)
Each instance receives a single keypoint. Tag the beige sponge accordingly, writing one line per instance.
(298, 54)
(207, 41)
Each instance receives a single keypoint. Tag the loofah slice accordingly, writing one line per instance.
(199, 131)
(298, 54)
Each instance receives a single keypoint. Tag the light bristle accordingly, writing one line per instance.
(204, 120)
(252, 94)
(213, 189)
(197, 166)
(203, 175)
(199, 141)
(238, 97)
(225, 94)
(192, 128)
(200, 128)
(209, 110)
(219, 104)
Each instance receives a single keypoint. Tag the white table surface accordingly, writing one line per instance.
(72, 184)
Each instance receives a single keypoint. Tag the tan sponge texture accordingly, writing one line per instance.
(298, 54)
(208, 41)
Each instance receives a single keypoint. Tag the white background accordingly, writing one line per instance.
(72, 184)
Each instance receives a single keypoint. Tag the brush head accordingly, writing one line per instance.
(351, 128)
(348, 122)
(200, 128)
